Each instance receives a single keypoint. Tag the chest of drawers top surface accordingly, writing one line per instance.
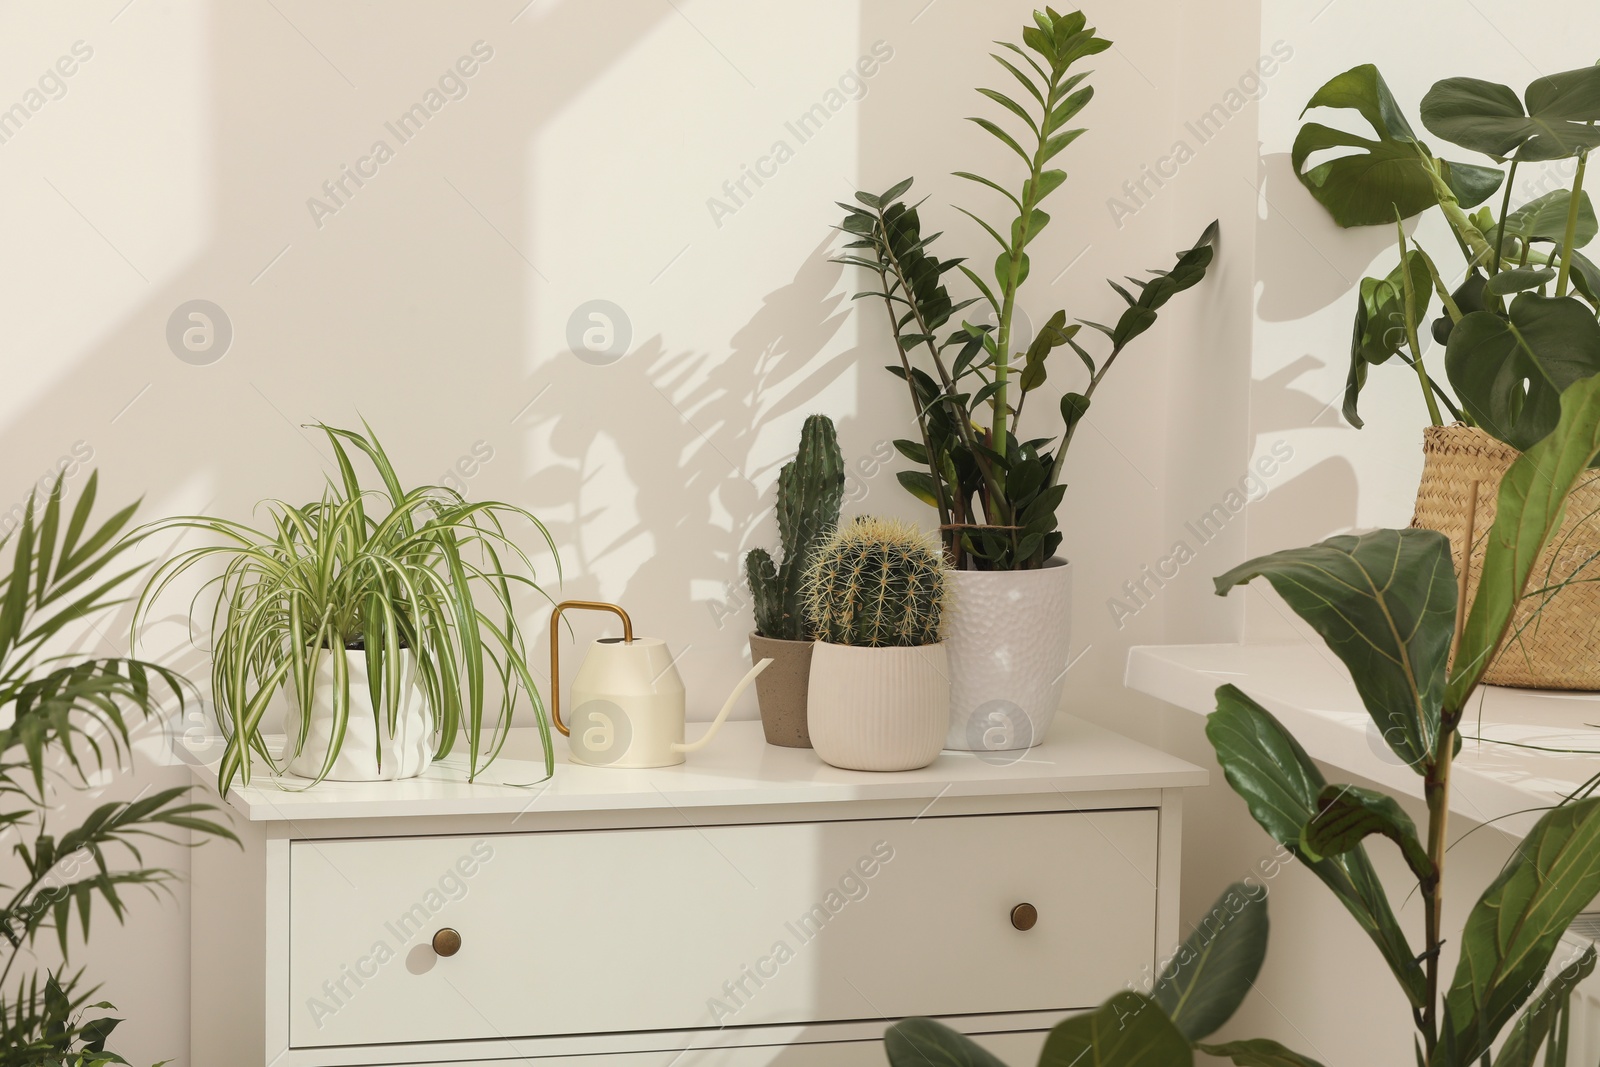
(737, 769)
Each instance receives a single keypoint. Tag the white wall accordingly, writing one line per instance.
(435, 300)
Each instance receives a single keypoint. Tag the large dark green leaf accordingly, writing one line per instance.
(1510, 373)
(1210, 974)
(1128, 1030)
(925, 1043)
(1347, 813)
(1545, 219)
(1534, 1024)
(1280, 785)
(1528, 512)
(1385, 603)
(1512, 931)
(1392, 172)
(1380, 326)
(1487, 117)
(1260, 1052)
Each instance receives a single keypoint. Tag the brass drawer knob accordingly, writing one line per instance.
(447, 942)
(1023, 916)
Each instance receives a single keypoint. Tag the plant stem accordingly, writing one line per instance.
(1410, 295)
(1473, 243)
(1572, 226)
(916, 404)
(1505, 208)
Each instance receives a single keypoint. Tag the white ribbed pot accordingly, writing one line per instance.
(1008, 634)
(878, 709)
(406, 754)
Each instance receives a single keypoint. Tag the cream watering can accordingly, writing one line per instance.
(627, 699)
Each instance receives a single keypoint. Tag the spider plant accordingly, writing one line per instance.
(67, 720)
(371, 570)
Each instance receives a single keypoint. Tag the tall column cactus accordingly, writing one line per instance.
(810, 489)
(877, 583)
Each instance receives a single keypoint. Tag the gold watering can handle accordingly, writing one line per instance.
(555, 648)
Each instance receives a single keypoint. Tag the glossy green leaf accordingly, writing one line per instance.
(1537, 1020)
(1510, 372)
(1519, 280)
(1260, 1052)
(1280, 785)
(1346, 814)
(1209, 976)
(1380, 325)
(1514, 928)
(1488, 117)
(1545, 219)
(1053, 335)
(1128, 1030)
(1528, 511)
(1385, 604)
(920, 1042)
(1386, 172)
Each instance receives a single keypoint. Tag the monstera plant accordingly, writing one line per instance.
(1518, 316)
(1390, 606)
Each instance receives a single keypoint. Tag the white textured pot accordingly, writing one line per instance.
(404, 755)
(878, 709)
(1008, 634)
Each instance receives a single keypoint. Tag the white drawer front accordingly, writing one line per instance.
(670, 929)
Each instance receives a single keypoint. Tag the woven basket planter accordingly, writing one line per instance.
(1554, 641)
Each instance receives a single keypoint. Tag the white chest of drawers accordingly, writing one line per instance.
(753, 907)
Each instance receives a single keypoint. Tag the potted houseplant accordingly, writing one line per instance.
(997, 493)
(1516, 332)
(1390, 605)
(810, 488)
(880, 696)
(67, 721)
(379, 610)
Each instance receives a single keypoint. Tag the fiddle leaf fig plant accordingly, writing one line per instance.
(1388, 605)
(968, 378)
(1518, 317)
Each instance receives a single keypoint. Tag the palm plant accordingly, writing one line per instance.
(997, 494)
(376, 570)
(69, 719)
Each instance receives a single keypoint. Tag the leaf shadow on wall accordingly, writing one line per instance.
(1304, 262)
(652, 528)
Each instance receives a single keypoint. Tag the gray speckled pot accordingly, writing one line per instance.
(782, 688)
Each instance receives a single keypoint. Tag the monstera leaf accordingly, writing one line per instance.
(1487, 117)
(1545, 219)
(1392, 172)
(1385, 603)
(923, 1042)
(1510, 372)
(1380, 327)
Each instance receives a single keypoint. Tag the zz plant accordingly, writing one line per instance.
(997, 494)
(379, 570)
(69, 723)
(1518, 318)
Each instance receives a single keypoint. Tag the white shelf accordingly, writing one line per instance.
(737, 768)
(1307, 688)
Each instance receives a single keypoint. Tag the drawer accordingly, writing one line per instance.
(683, 928)
(1015, 1049)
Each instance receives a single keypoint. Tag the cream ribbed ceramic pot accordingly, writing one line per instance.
(879, 709)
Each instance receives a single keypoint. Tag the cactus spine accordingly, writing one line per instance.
(810, 489)
(877, 583)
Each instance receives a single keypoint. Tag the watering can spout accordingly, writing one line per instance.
(722, 716)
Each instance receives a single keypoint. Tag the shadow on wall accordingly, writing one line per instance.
(1303, 260)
